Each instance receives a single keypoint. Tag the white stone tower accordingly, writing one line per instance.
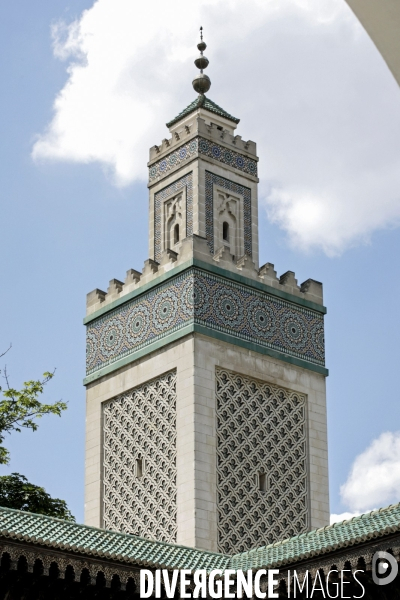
(206, 408)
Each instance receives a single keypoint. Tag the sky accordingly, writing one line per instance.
(87, 88)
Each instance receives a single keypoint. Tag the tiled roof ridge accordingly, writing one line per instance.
(202, 102)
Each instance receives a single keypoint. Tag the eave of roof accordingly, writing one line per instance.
(203, 102)
(61, 535)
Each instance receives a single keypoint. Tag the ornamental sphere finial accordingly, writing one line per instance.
(202, 82)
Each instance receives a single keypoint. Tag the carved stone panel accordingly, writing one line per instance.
(173, 205)
(228, 221)
(262, 463)
(139, 464)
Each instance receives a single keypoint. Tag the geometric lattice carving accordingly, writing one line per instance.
(262, 489)
(139, 464)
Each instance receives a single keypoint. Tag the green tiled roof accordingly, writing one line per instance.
(207, 104)
(89, 541)
(99, 543)
(358, 530)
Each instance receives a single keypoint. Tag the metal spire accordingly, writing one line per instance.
(202, 82)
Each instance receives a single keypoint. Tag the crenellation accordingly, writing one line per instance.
(222, 254)
(199, 127)
(288, 278)
(149, 270)
(241, 262)
(167, 144)
(94, 300)
(289, 281)
(268, 274)
(313, 290)
(132, 281)
(115, 287)
(195, 246)
(310, 290)
(132, 276)
(167, 261)
(235, 140)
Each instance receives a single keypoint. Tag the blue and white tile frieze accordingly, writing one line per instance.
(205, 147)
(214, 302)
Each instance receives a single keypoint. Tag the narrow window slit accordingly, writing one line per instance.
(225, 231)
(176, 233)
(262, 482)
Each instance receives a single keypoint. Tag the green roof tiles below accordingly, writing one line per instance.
(89, 541)
(207, 104)
(332, 538)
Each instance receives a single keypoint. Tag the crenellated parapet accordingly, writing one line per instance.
(193, 291)
(210, 141)
(195, 247)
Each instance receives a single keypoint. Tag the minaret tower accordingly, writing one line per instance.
(206, 408)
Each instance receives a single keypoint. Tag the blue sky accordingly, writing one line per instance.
(314, 94)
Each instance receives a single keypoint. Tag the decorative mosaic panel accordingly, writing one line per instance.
(217, 303)
(140, 428)
(176, 158)
(231, 186)
(261, 443)
(228, 157)
(161, 196)
(198, 146)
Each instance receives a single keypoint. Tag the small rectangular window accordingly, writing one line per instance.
(139, 467)
(262, 482)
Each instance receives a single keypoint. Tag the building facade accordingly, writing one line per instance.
(43, 558)
(206, 441)
(206, 406)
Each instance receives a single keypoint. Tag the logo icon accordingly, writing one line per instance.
(384, 568)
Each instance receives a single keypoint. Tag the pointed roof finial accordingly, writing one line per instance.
(201, 83)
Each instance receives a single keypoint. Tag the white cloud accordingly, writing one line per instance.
(346, 516)
(306, 81)
(374, 479)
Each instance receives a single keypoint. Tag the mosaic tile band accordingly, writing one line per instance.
(200, 146)
(216, 303)
(231, 186)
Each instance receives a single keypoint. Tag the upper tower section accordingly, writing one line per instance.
(203, 220)
(203, 181)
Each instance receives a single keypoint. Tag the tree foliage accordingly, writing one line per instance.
(22, 408)
(18, 409)
(16, 492)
